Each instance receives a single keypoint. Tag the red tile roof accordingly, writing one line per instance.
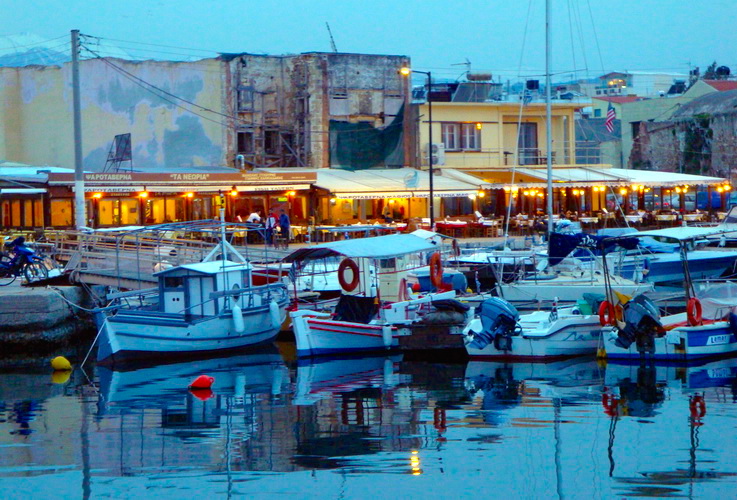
(722, 85)
(619, 99)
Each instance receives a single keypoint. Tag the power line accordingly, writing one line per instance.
(151, 44)
(33, 44)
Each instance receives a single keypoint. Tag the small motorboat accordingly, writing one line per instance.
(499, 331)
(708, 327)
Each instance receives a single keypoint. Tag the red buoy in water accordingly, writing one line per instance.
(202, 382)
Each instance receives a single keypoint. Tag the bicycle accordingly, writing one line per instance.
(21, 261)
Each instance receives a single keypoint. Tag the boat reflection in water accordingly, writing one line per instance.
(345, 426)
(641, 391)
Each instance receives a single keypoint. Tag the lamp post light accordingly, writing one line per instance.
(407, 72)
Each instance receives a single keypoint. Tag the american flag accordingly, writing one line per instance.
(610, 116)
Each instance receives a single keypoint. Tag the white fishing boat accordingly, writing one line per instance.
(379, 311)
(708, 328)
(498, 331)
(196, 308)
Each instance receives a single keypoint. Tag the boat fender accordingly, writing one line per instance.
(238, 324)
(694, 311)
(697, 405)
(346, 285)
(386, 335)
(274, 313)
(436, 270)
(606, 313)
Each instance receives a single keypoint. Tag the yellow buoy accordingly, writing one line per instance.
(61, 363)
(61, 376)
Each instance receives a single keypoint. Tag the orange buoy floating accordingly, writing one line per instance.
(202, 382)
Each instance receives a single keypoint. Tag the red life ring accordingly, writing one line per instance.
(346, 285)
(697, 407)
(436, 270)
(693, 311)
(606, 313)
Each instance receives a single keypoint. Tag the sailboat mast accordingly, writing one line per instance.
(548, 120)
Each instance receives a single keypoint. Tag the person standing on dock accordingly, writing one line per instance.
(284, 224)
(271, 223)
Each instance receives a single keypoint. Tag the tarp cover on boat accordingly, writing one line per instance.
(378, 247)
(561, 245)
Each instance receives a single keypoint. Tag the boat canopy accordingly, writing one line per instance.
(211, 267)
(378, 247)
(685, 233)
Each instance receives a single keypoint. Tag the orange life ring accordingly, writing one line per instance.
(436, 270)
(697, 407)
(346, 285)
(693, 311)
(606, 313)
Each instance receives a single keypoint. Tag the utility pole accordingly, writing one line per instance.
(80, 212)
(548, 120)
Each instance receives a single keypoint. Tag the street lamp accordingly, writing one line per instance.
(406, 72)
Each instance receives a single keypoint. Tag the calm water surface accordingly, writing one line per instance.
(369, 428)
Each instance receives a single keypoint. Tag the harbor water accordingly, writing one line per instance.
(369, 427)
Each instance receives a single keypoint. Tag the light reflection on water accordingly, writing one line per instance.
(361, 426)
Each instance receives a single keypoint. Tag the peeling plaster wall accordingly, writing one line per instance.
(36, 125)
(336, 86)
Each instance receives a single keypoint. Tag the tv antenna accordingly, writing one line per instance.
(467, 64)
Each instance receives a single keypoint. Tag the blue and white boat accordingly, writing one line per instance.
(197, 308)
(707, 329)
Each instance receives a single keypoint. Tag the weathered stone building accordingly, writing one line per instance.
(274, 111)
(700, 138)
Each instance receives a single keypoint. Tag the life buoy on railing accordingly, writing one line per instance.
(693, 311)
(346, 285)
(606, 313)
(436, 270)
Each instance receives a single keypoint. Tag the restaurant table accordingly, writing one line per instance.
(721, 215)
(672, 218)
(637, 219)
(693, 217)
(347, 231)
(589, 220)
(456, 228)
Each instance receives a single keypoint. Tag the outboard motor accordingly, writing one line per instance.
(641, 324)
(499, 321)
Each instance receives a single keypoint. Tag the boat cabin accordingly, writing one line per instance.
(186, 289)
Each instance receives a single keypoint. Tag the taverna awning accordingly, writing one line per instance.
(397, 183)
(588, 176)
(379, 247)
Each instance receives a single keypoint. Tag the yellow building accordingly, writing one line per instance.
(496, 141)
